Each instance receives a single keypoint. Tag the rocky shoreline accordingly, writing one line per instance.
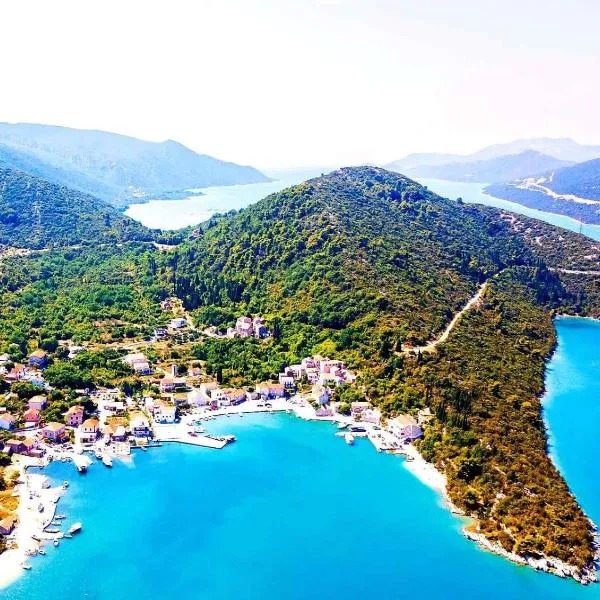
(544, 563)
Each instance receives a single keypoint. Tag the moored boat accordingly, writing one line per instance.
(349, 439)
(107, 461)
(26, 566)
(75, 528)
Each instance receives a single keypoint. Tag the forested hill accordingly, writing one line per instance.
(356, 242)
(116, 168)
(362, 263)
(37, 214)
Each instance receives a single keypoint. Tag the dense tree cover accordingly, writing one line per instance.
(37, 214)
(353, 243)
(484, 386)
(86, 294)
(355, 264)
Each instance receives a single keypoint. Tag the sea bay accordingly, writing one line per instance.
(290, 511)
(175, 214)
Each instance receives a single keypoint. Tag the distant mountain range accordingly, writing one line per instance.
(113, 167)
(502, 168)
(37, 214)
(563, 149)
(573, 191)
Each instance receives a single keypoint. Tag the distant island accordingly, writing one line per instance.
(573, 191)
(118, 169)
(552, 175)
(562, 149)
(502, 168)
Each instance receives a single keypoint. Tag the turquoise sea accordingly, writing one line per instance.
(291, 512)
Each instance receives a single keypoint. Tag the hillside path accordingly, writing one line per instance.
(431, 346)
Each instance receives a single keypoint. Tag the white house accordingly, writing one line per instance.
(320, 394)
(139, 425)
(88, 431)
(37, 402)
(177, 323)
(139, 363)
(197, 398)
(405, 427)
(287, 381)
(208, 387)
(164, 412)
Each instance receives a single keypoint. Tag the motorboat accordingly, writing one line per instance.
(107, 461)
(349, 439)
(75, 528)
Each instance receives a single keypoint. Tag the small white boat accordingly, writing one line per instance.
(42, 552)
(342, 425)
(65, 484)
(75, 528)
(349, 439)
(98, 454)
(56, 543)
(107, 460)
(26, 566)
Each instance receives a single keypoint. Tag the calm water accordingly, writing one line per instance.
(473, 193)
(175, 214)
(291, 512)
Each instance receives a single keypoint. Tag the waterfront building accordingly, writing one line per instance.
(320, 393)
(139, 425)
(270, 390)
(120, 434)
(164, 412)
(74, 416)
(88, 431)
(54, 431)
(405, 427)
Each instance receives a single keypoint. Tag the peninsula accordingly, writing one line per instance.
(436, 318)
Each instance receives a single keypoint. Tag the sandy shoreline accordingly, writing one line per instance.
(31, 522)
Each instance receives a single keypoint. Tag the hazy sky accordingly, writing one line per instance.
(281, 83)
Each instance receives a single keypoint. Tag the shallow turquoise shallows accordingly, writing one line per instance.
(291, 511)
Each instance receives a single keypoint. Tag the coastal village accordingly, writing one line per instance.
(174, 404)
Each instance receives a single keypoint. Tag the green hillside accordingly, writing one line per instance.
(37, 214)
(116, 168)
(361, 264)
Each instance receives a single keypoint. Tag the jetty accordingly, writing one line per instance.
(204, 441)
